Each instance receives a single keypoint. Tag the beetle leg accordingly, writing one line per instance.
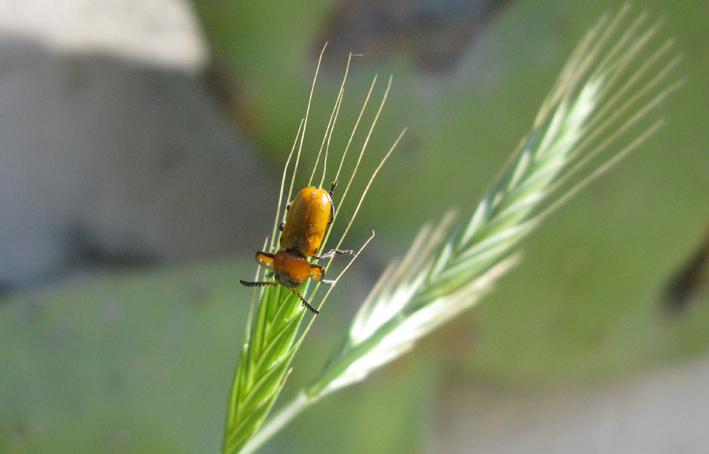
(317, 272)
(265, 259)
(332, 205)
(283, 222)
(332, 253)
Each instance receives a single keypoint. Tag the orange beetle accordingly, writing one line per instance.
(309, 215)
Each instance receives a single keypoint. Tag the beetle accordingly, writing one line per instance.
(302, 233)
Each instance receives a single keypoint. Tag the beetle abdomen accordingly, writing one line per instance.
(307, 220)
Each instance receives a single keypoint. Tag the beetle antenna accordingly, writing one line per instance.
(262, 284)
(257, 284)
(305, 302)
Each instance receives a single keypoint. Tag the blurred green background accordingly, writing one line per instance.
(141, 361)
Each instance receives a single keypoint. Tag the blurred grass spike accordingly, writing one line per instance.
(596, 113)
(272, 337)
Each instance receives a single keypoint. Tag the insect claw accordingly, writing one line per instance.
(331, 253)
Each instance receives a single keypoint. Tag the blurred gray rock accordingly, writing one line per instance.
(662, 411)
(108, 160)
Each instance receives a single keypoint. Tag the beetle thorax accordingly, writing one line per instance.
(290, 268)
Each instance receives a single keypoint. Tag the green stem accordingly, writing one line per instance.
(314, 392)
(277, 421)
